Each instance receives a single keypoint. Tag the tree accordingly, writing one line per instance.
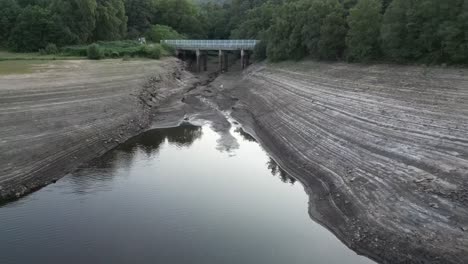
(284, 38)
(111, 21)
(139, 13)
(454, 37)
(161, 32)
(364, 23)
(36, 27)
(426, 30)
(181, 15)
(257, 21)
(214, 18)
(79, 16)
(332, 34)
(399, 31)
(315, 15)
(9, 10)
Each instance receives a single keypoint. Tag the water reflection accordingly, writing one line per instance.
(96, 175)
(169, 196)
(276, 170)
(245, 135)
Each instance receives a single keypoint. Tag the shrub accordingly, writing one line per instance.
(168, 50)
(51, 49)
(260, 51)
(153, 52)
(160, 32)
(94, 52)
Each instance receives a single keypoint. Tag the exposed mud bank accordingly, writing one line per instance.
(382, 150)
(57, 119)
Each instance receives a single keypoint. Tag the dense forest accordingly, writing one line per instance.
(427, 31)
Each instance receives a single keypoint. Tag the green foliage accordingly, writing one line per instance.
(160, 32)
(430, 31)
(427, 30)
(214, 18)
(9, 10)
(111, 21)
(140, 15)
(79, 16)
(152, 51)
(332, 34)
(35, 28)
(181, 15)
(364, 22)
(94, 52)
(260, 51)
(51, 49)
(313, 21)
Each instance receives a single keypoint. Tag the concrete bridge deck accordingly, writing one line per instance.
(200, 47)
(218, 44)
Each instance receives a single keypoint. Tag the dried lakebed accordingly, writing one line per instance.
(382, 151)
(171, 196)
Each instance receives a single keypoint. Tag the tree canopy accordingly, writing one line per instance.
(429, 31)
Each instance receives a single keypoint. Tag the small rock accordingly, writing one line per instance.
(434, 205)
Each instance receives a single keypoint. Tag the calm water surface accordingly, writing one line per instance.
(171, 196)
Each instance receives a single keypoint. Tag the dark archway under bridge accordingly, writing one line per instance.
(223, 47)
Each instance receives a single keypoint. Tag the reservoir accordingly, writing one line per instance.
(175, 195)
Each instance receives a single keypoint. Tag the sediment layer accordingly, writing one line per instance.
(382, 150)
(73, 111)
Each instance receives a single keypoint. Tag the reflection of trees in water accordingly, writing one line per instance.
(103, 169)
(276, 170)
(245, 135)
(183, 136)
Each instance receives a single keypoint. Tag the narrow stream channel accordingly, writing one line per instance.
(171, 196)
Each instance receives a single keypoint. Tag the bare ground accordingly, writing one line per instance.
(70, 112)
(382, 150)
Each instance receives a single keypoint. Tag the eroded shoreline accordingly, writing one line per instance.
(382, 150)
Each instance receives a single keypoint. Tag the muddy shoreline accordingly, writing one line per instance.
(353, 135)
(291, 112)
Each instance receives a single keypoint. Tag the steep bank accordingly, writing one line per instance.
(73, 111)
(382, 150)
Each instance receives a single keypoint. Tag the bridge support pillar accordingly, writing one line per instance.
(220, 58)
(205, 61)
(247, 59)
(226, 61)
(242, 59)
(198, 61)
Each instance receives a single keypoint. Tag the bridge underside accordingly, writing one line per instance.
(201, 48)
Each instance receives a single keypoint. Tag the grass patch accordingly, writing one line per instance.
(19, 66)
(108, 49)
(120, 49)
(11, 56)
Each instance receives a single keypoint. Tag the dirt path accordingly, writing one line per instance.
(72, 111)
(382, 150)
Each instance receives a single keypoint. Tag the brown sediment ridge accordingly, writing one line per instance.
(73, 111)
(381, 150)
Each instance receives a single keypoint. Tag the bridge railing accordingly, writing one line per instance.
(191, 44)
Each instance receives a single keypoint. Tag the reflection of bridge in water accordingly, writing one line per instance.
(201, 48)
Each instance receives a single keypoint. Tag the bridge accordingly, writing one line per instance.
(201, 48)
